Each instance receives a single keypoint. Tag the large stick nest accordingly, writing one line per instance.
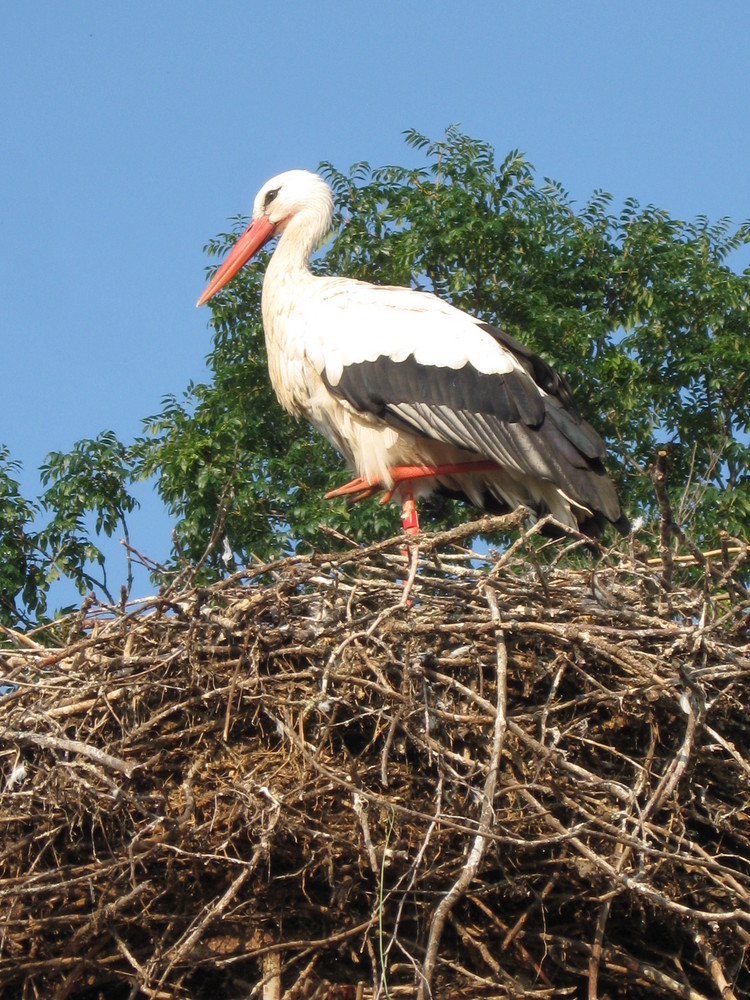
(532, 780)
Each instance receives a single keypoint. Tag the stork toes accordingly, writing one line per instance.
(357, 489)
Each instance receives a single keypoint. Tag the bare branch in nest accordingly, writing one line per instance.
(658, 473)
(487, 815)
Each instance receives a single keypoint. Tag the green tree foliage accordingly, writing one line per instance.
(91, 481)
(93, 478)
(641, 312)
(22, 591)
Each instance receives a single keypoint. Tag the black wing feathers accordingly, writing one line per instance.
(543, 374)
(375, 386)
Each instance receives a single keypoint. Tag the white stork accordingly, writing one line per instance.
(414, 393)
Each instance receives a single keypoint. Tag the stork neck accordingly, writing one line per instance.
(303, 233)
(287, 273)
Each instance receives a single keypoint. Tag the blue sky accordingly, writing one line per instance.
(132, 132)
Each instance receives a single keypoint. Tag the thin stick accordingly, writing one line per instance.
(487, 815)
(73, 746)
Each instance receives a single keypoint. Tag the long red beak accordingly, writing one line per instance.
(255, 236)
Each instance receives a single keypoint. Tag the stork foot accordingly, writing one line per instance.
(358, 489)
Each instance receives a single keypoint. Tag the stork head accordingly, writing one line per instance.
(296, 195)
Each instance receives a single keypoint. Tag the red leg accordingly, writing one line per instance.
(361, 488)
(402, 473)
(410, 521)
(409, 516)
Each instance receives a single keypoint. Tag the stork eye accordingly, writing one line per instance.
(270, 197)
